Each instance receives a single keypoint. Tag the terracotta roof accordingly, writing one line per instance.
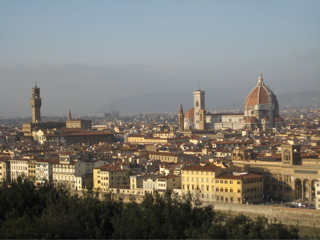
(189, 113)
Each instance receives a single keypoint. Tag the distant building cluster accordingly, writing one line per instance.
(252, 157)
(261, 110)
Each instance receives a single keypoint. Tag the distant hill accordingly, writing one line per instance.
(305, 99)
(169, 102)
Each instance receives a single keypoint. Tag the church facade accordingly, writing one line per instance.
(261, 111)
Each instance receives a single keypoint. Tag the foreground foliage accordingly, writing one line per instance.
(53, 213)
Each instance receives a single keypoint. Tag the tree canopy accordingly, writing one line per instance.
(49, 212)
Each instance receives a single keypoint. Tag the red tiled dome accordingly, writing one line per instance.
(258, 95)
(189, 113)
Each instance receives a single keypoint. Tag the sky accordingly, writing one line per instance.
(85, 53)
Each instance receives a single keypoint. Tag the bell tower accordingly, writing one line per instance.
(199, 104)
(35, 103)
(181, 118)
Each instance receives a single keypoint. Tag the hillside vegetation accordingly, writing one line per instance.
(47, 212)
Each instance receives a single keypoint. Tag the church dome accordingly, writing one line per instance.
(190, 113)
(258, 95)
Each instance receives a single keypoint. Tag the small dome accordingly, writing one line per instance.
(189, 113)
(252, 120)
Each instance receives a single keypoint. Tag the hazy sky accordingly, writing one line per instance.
(85, 53)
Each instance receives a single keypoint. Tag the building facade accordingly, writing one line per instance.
(292, 178)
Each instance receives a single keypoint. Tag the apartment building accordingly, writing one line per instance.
(200, 181)
(110, 176)
(239, 188)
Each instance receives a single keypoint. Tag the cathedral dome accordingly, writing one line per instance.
(258, 95)
(190, 113)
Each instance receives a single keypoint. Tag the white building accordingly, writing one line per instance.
(18, 168)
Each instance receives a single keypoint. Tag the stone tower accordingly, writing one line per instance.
(290, 154)
(199, 104)
(181, 118)
(35, 103)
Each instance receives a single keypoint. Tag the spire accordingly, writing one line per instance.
(69, 116)
(35, 85)
(180, 108)
(260, 79)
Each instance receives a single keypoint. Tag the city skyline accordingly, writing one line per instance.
(84, 54)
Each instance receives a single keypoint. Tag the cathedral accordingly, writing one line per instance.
(261, 111)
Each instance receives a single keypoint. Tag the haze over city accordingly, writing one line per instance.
(84, 54)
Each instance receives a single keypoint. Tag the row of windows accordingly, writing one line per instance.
(207, 188)
(226, 182)
(197, 179)
(226, 190)
(19, 168)
(199, 173)
(63, 166)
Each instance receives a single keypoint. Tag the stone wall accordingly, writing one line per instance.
(288, 216)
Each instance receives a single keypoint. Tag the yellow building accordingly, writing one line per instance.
(32, 171)
(210, 183)
(239, 188)
(96, 179)
(110, 176)
(200, 181)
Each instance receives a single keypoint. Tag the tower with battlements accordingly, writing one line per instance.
(35, 103)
